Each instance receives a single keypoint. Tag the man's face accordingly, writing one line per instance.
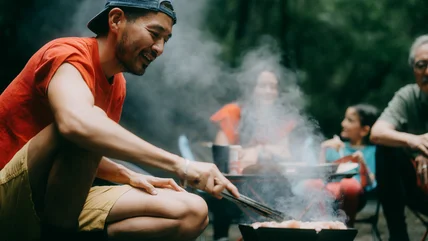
(420, 67)
(142, 41)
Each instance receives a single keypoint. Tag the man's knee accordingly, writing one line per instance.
(51, 155)
(43, 146)
(194, 219)
(48, 144)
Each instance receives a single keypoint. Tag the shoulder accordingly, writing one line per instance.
(77, 48)
(408, 91)
(228, 111)
(78, 52)
(71, 44)
(231, 107)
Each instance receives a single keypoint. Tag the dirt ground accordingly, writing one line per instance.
(415, 227)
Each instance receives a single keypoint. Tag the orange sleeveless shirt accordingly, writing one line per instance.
(24, 106)
(229, 117)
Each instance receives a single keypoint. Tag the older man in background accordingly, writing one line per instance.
(402, 135)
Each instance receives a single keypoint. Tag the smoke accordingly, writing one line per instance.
(189, 82)
(300, 196)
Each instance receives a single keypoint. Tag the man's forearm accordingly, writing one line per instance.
(113, 172)
(390, 137)
(98, 133)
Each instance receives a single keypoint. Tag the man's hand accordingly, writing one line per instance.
(150, 183)
(422, 168)
(418, 142)
(207, 177)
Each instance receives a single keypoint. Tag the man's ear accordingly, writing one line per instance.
(116, 18)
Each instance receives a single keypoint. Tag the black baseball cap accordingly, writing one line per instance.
(99, 22)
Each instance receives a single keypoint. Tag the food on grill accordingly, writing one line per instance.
(318, 226)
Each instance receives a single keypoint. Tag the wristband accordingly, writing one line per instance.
(186, 167)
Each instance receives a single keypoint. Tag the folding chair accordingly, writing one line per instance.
(424, 221)
(372, 219)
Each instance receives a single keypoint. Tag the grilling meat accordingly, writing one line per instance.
(318, 226)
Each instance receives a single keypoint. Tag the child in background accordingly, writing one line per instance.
(356, 145)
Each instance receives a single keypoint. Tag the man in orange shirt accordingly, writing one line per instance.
(59, 123)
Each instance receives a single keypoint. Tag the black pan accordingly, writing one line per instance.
(292, 170)
(290, 234)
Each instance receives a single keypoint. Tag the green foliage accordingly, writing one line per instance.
(346, 51)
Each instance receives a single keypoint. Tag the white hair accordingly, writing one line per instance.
(419, 41)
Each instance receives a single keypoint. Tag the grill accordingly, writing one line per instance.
(255, 185)
(290, 234)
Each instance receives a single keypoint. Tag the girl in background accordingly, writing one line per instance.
(353, 145)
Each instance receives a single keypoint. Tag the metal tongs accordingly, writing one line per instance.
(255, 206)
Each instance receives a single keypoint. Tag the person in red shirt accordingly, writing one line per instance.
(59, 124)
(257, 122)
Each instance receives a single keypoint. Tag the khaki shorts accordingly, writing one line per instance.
(18, 219)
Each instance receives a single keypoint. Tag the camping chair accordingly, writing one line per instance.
(374, 218)
(372, 195)
(424, 221)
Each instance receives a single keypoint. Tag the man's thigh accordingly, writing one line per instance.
(98, 205)
(18, 218)
(167, 204)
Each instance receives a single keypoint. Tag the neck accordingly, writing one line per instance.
(108, 60)
(261, 106)
(356, 143)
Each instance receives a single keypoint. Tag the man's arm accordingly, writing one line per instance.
(78, 120)
(114, 172)
(81, 122)
(394, 117)
(384, 133)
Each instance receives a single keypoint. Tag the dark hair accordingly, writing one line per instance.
(368, 114)
(131, 14)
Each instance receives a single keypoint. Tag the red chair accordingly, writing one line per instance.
(372, 219)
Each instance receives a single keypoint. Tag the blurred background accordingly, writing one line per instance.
(335, 53)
